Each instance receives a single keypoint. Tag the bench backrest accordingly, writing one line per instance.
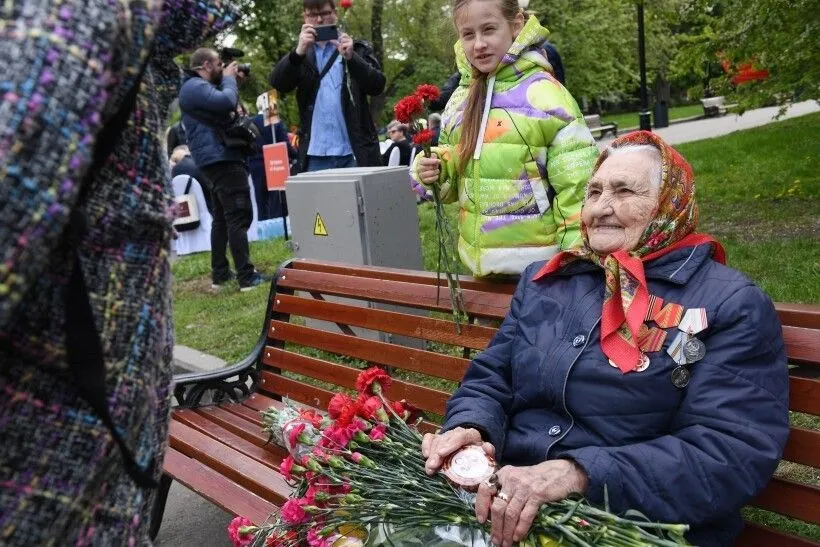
(426, 377)
(713, 101)
(593, 121)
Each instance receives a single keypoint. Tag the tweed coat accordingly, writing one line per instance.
(67, 65)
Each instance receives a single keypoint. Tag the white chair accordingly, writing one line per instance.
(199, 240)
(395, 157)
(253, 231)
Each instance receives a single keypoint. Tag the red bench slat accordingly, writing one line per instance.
(217, 488)
(384, 353)
(394, 292)
(426, 328)
(804, 395)
(793, 499)
(244, 470)
(265, 456)
(396, 274)
(803, 447)
(754, 535)
(426, 398)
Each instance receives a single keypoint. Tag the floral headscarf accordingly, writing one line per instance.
(673, 223)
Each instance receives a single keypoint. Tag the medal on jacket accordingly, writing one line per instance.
(680, 376)
(693, 321)
(643, 363)
(468, 467)
(675, 349)
(694, 350)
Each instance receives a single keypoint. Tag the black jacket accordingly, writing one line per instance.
(405, 149)
(297, 72)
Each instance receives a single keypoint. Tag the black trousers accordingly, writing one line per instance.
(233, 214)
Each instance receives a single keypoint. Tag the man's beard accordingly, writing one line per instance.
(216, 79)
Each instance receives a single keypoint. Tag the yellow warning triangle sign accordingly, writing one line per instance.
(319, 228)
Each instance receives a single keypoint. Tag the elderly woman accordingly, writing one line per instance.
(637, 368)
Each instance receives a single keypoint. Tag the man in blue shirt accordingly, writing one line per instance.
(333, 79)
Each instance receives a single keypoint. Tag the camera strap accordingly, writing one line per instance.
(328, 65)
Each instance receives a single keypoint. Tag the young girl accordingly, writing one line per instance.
(514, 148)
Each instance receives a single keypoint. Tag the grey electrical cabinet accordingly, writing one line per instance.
(362, 215)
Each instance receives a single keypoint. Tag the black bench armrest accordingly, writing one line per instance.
(235, 382)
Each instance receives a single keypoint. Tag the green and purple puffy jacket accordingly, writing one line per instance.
(521, 195)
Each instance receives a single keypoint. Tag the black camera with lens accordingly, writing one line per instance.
(231, 54)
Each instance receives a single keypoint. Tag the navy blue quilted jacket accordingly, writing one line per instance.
(544, 390)
(201, 102)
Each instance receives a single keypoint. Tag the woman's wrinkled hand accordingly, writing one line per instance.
(525, 490)
(429, 170)
(437, 447)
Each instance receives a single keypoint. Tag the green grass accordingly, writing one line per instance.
(629, 120)
(758, 192)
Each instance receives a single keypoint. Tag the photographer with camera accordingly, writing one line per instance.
(336, 127)
(219, 141)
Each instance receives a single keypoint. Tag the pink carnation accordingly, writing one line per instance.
(241, 538)
(286, 468)
(293, 434)
(378, 433)
(338, 435)
(315, 540)
(292, 511)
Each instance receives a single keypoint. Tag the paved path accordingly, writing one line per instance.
(715, 127)
(192, 521)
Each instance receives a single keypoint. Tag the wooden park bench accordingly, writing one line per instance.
(217, 447)
(715, 106)
(593, 122)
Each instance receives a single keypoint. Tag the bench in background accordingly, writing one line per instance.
(219, 450)
(594, 124)
(715, 106)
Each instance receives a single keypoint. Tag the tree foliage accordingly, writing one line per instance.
(685, 42)
(779, 36)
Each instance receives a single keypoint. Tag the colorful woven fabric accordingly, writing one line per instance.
(627, 298)
(67, 65)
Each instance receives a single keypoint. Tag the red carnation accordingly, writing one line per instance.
(408, 108)
(428, 92)
(312, 416)
(338, 404)
(367, 406)
(423, 137)
(406, 411)
(346, 4)
(373, 381)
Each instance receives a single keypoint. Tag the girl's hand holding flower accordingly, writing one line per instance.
(429, 170)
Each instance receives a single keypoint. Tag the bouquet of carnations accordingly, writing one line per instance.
(411, 110)
(359, 479)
